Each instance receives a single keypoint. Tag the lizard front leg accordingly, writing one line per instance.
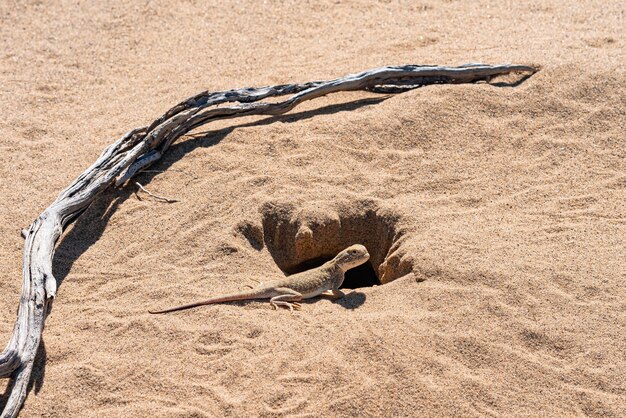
(334, 294)
(288, 298)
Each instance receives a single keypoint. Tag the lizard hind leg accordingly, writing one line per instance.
(290, 299)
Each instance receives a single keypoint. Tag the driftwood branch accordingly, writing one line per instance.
(143, 146)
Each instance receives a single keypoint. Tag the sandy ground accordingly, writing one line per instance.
(498, 210)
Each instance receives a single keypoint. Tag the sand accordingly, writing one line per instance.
(496, 213)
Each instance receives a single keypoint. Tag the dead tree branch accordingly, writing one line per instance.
(142, 147)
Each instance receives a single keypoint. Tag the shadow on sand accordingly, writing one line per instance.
(90, 226)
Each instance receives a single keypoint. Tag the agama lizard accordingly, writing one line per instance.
(325, 279)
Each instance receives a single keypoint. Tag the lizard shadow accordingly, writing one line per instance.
(352, 300)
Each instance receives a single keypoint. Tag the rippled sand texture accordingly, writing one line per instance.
(497, 214)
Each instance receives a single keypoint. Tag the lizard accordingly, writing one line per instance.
(289, 291)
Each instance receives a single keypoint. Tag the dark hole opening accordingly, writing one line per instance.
(360, 276)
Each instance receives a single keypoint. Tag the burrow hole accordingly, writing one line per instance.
(360, 276)
(301, 239)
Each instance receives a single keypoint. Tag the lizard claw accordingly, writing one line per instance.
(290, 305)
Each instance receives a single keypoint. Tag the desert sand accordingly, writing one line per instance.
(496, 214)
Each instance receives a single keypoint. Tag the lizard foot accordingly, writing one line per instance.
(291, 305)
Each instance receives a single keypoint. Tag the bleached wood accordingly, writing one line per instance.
(142, 147)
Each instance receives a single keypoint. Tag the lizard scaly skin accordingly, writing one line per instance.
(288, 292)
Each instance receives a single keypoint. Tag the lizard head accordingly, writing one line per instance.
(353, 256)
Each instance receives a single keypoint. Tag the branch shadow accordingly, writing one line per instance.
(39, 369)
(509, 84)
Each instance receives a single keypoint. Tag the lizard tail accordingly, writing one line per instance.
(251, 294)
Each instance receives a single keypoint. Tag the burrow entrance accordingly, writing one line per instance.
(302, 238)
(360, 276)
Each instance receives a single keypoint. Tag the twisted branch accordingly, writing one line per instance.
(142, 147)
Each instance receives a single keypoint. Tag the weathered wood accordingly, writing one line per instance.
(143, 146)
